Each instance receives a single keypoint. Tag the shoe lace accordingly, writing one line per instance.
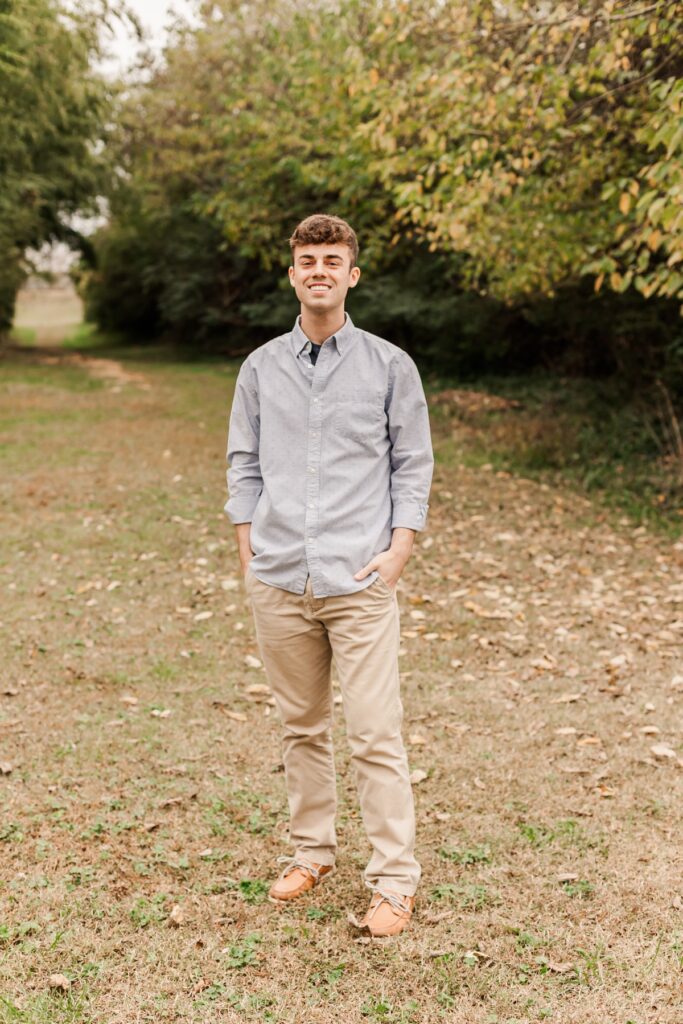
(393, 898)
(297, 862)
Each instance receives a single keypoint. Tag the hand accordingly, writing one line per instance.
(244, 550)
(389, 564)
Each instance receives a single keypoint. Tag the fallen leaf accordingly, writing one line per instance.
(566, 730)
(60, 982)
(567, 698)
(417, 775)
(258, 688)
(568, 876)
(605, 791)
(127, 698)
(251, 662)
(202, 616)
(559, 968)
(236, 716)
(5, 768)
(484, 613)
(662, 751)
(171, 801)
(177, 916)
(649, 730)
(416, 740)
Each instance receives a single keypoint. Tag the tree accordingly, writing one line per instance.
(502, 129)
(52, 111)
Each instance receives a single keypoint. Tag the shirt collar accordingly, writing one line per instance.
(343, 337)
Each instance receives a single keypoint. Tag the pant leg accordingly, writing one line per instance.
(297, 657)
(364, 630)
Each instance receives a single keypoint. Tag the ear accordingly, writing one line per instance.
(290, 271)
(354, 277)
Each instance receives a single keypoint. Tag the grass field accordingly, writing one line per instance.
(142, 802)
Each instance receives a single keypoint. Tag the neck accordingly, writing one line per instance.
(318, 327)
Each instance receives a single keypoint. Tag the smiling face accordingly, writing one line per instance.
(322, 275)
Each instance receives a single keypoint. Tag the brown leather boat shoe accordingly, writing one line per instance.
(298, 877)
(389, 912)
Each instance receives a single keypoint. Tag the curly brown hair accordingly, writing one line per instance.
(322, 228)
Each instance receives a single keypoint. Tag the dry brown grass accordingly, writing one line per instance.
(132, 790)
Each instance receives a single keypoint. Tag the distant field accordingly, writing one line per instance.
(46, 316)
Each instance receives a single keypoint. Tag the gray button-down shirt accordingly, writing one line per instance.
(325, 460)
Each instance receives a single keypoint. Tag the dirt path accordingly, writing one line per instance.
(142, 796)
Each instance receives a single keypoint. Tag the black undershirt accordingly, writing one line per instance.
(315, 349)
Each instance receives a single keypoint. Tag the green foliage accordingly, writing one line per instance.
(253, 890)
(244, 954)
(474, 855)
(145, 912)
(581, 888)
(508, 169)
(497, 131)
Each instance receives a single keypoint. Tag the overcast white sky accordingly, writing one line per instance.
(156, 16)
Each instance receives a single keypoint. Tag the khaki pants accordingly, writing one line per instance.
(298, 635)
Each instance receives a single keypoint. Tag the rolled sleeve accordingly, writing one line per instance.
(412, 459)
(245, 482)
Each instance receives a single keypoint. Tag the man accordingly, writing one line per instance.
(330, 465)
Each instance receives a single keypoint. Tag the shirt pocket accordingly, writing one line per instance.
(359, 414)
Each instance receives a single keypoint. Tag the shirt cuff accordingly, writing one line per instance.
(410, 516)
(241, 509)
